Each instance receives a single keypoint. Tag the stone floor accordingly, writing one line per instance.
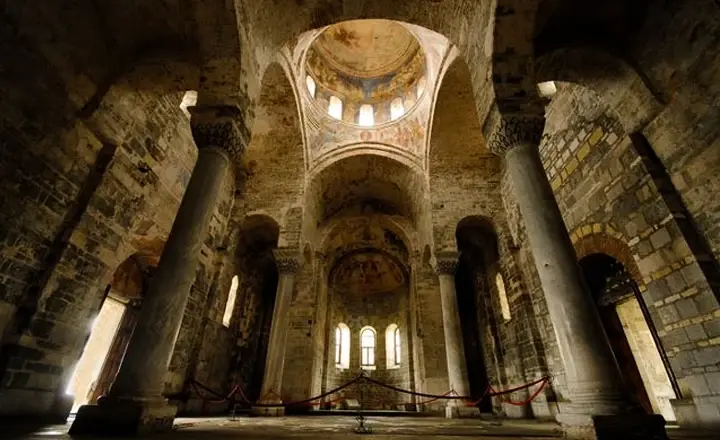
(340, 427)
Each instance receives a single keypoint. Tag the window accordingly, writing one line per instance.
(342, 346)
(335, 108)
(367, 348)
(367, 115)
(230, 303)
(310, 85)
(189, 100)
(393, 351)
(397, 108)
(547, 89)
(504, 305)
(420, 87)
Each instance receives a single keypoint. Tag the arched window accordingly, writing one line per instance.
(335, 108)
(367, 115)
(189, 100)
(367, 348)
(310, 83)
(342, 346)
(397, 108)
(420, 87)
(504, 304)
(393, 351)
(230, 303)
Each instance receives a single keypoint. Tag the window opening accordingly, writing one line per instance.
(397, 109)
(420, 87)
(335, 108)
(392, 346)
(504, 304)
(547, 89)
(310, 83)
(230, 303)
(342, 346)
(367, 348)
(367, 115)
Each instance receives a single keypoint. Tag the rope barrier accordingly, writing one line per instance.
(449, 395)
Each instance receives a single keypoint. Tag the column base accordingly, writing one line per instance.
(453, 411)
(264, 411)
(613, 427)
(124, 417)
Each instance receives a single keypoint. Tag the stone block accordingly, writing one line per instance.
(124, 417)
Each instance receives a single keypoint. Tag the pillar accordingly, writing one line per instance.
(595, 387)
(446, 265)
(134, 403)
(288, 262)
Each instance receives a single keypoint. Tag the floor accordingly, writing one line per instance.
(340, 427)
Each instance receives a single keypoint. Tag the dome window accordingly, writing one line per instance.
(397, 109)
(310, 83)
(367, 115)
(335, 108)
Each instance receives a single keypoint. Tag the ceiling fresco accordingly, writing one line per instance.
(366, 273)
(366, 60)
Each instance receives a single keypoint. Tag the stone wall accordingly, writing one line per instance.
(606, 185)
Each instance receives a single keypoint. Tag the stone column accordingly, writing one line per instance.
(135, 403)
(288, 262)
(595, 386)
(446, 265)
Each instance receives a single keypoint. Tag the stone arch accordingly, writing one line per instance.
(599, 238)
(270, 175)
(635, 104)
(364, 148)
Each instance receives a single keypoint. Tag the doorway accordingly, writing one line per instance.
(89, 367)
(629, 333)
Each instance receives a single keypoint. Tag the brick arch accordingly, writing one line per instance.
(599, 238)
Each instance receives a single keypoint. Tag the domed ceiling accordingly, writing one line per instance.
(367, 61)
(364, 273)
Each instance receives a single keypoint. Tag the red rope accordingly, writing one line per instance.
(527, 401)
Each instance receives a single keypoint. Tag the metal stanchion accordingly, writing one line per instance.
(361, 428)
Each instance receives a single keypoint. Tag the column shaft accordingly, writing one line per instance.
(275, 361)
(591, 370)
(145, 364)
(454, 346)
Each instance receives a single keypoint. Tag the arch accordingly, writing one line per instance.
(364, 182)
(365, 148)
(342, 346)
(393, 347)
(368, 344)
(599, 238)
(624, 90)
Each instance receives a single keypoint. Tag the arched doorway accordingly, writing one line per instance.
(111, 330)
(474, 284)
(255, 300)
(631, 337)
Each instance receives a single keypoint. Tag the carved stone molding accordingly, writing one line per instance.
(219, 126)
(446, 262)
(287, 260)
(507, 131)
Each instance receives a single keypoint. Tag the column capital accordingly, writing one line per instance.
(287, 260)
(507, 131)
(446, 262)
(219, 126)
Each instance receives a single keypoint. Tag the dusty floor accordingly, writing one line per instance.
(341, 427)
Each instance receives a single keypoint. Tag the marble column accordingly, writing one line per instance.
(446, 265)
(288, 262)
(134, 403)
(595, 386)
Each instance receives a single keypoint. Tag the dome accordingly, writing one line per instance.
(366, 72)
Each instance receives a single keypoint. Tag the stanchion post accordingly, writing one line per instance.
(361, 428)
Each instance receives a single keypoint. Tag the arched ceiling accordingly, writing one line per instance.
(365, 184)
(367, 273)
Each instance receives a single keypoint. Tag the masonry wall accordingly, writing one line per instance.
(377, 310)
(96, 203)
(604, 186)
